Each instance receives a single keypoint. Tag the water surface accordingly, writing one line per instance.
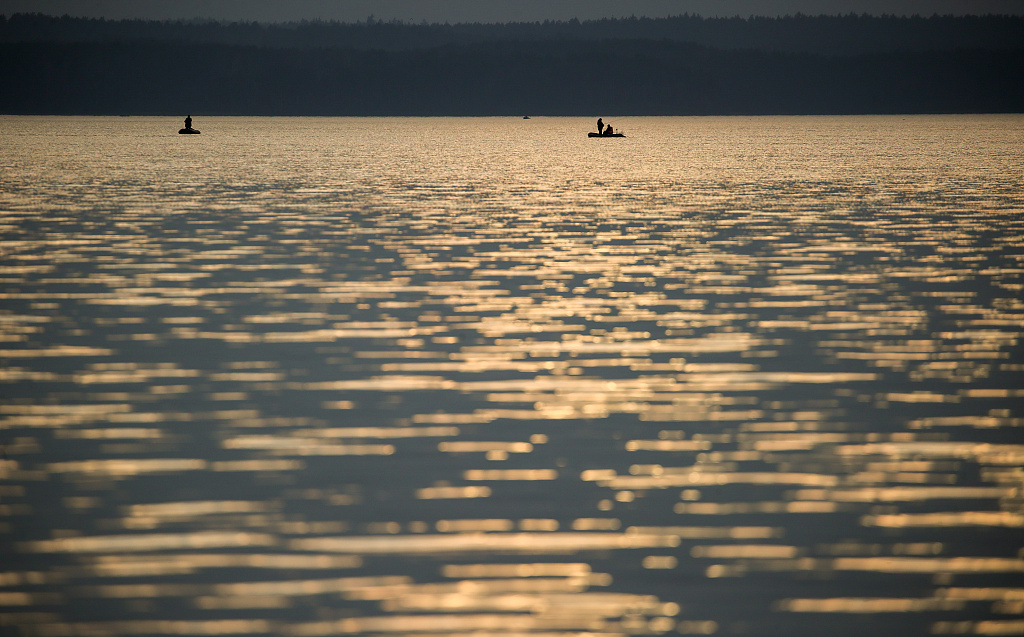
(483, 377)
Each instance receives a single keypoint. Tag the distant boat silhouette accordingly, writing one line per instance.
(526, 117)
(604, 135)
(188, 130)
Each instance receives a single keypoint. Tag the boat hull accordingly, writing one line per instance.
(600, 135)
(188, 131)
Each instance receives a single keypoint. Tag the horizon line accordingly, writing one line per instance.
(371, 20)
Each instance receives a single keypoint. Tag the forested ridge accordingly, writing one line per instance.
(842, 35)
(671, 66)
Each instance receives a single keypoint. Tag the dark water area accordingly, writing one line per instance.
(386, 376)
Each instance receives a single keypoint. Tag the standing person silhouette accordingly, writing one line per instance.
(600, 126)
(188, 122)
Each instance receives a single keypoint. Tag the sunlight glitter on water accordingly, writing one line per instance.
(452, 377)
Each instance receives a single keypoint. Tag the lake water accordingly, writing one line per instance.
(489, 377)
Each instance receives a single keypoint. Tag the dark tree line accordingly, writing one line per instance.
(841, 35)
(55, 73)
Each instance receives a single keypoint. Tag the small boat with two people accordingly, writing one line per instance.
(188, 130)
(604, 131)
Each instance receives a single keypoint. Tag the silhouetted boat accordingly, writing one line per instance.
(188, 131)
(602, 135)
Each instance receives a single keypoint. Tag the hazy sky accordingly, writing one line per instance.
(487, 10)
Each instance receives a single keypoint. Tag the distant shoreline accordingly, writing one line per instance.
(844, 65)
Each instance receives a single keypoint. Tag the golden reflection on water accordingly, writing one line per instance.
(731, 376)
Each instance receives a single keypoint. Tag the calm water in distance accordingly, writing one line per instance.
(489, 377)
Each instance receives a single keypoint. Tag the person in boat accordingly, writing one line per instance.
(188, 122)
(600, 126)
(609, 131)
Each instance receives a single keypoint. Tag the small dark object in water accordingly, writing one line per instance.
(188, 131)
(602, 135)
